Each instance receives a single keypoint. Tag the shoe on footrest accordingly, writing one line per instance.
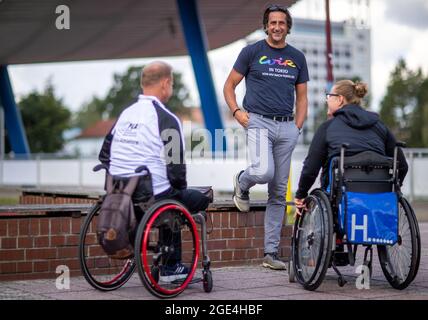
(173, 273)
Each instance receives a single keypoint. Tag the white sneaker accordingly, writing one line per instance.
(240, 198)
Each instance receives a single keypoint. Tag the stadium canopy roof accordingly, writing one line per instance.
(108, 29)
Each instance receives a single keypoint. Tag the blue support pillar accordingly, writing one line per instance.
(196, 42)
(13, 122)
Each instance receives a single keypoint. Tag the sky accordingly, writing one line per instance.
(398, 29)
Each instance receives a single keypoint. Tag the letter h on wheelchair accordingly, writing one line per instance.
(166, 247)
(362, 205)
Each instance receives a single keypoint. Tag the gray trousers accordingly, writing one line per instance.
(270, 145)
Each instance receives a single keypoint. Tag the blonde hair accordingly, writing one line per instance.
(353, 92)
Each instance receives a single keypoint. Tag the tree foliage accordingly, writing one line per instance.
(402, 104)
(124, 92)
(45, 118)
(419, 120)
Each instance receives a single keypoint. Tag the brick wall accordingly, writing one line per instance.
(33, 247)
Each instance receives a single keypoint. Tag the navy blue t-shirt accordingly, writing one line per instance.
(271, 75)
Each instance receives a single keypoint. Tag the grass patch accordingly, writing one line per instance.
(5, 201)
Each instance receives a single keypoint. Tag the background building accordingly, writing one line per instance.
(351, 59)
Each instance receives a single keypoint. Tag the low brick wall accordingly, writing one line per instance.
(33, 246)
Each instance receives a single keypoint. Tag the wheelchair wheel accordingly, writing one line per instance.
(101, 271)
(312, 241)
(165, 227)
(418, 235)
(400, 262)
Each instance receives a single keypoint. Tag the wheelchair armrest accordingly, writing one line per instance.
(400, 144)
(206, 190)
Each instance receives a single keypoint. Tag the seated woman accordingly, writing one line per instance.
(348, 123)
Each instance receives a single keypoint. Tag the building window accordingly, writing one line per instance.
(315, 51)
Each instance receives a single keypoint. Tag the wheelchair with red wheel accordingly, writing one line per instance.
(362, 205)
(166, 231)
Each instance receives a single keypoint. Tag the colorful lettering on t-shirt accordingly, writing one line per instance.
(280, 62)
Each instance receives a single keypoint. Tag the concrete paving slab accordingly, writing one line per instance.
(315, 296)
(238, 283)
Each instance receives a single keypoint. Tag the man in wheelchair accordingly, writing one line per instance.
(141, 136)
(359, 202)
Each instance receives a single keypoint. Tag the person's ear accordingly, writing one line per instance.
(342, 100)
(165, 83)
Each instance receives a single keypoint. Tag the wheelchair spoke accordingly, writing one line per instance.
(400, 259)
(405, 232)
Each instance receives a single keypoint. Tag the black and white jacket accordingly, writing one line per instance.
(147, 133)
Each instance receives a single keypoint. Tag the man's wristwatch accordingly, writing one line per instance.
(300, 130)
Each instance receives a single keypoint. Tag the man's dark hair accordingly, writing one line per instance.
(275, 8)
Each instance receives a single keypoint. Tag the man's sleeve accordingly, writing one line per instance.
(317, 155)
(402, 163)
(242, 63)
(303, 72)
(104, 155)
(172, 137)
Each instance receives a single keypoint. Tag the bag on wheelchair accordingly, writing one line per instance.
(116, 221)
(368, 210)
(369, 218)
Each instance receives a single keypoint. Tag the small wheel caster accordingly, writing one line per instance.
(291, 275)
(207, 281)
(341, 281)
(368, 264)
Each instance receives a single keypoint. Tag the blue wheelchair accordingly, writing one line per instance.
(362, 205)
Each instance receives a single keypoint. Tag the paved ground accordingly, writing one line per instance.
(247, 282)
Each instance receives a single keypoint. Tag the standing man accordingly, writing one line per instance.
(275, 75)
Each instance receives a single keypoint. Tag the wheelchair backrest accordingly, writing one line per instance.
(366, 172)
